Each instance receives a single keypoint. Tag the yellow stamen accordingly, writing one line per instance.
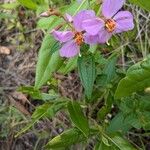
(110, 25)
(79, 38)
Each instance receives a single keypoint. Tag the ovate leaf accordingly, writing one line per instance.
(87, 72)
(78, 117)
(137, 79)
(118, 124)
(109, 69)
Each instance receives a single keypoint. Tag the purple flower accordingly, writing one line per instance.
(114, 21)
(72, 40)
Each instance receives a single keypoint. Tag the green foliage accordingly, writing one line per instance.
(70, 65)
(102, 146)
(118, 124)
(145, 4)
(139, 110)
(36, 94)
(10, 6)
(28, 3)
(109, 70)
(137, 79)
(7, 16)
(87, 72)
(49, 61)
(66, 139)
(113, 141)
(121, 143)
(78, 117)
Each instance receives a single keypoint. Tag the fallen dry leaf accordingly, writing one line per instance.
(21, 97)
(19, 106)
(4, 50)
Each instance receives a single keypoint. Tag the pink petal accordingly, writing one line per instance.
(91, 39)
(124, 21)
(69, 49)
(104, 36)
(111, 7)
(62, 36)
(93, 26)
(80, 17)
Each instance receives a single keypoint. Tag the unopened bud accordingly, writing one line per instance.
(50, 12)
(69, 18)
(44, 14)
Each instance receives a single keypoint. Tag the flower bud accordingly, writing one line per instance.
(50, 12)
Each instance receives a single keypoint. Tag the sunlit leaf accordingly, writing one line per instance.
(48, 61)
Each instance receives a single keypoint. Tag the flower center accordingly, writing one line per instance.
(79, 39)
(110, 25)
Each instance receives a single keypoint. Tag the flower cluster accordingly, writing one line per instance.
(88, 28)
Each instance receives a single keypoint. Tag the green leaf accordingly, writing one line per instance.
(93, 48)
(87, 72)
(4, 15)
(49, 23)
(105, 141)
(102, 146)
(54, 64)
(145, 4)
(137, 79)
(13, 5)
(66, 139)
(69, 66)
(108, 72)
(102, 113)
(48, 109)
(28, 3)
(36, 94)
(49, 61)
(121, 143)
(118, 124)
(109, 69)
(78, 117)
(136, 111)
